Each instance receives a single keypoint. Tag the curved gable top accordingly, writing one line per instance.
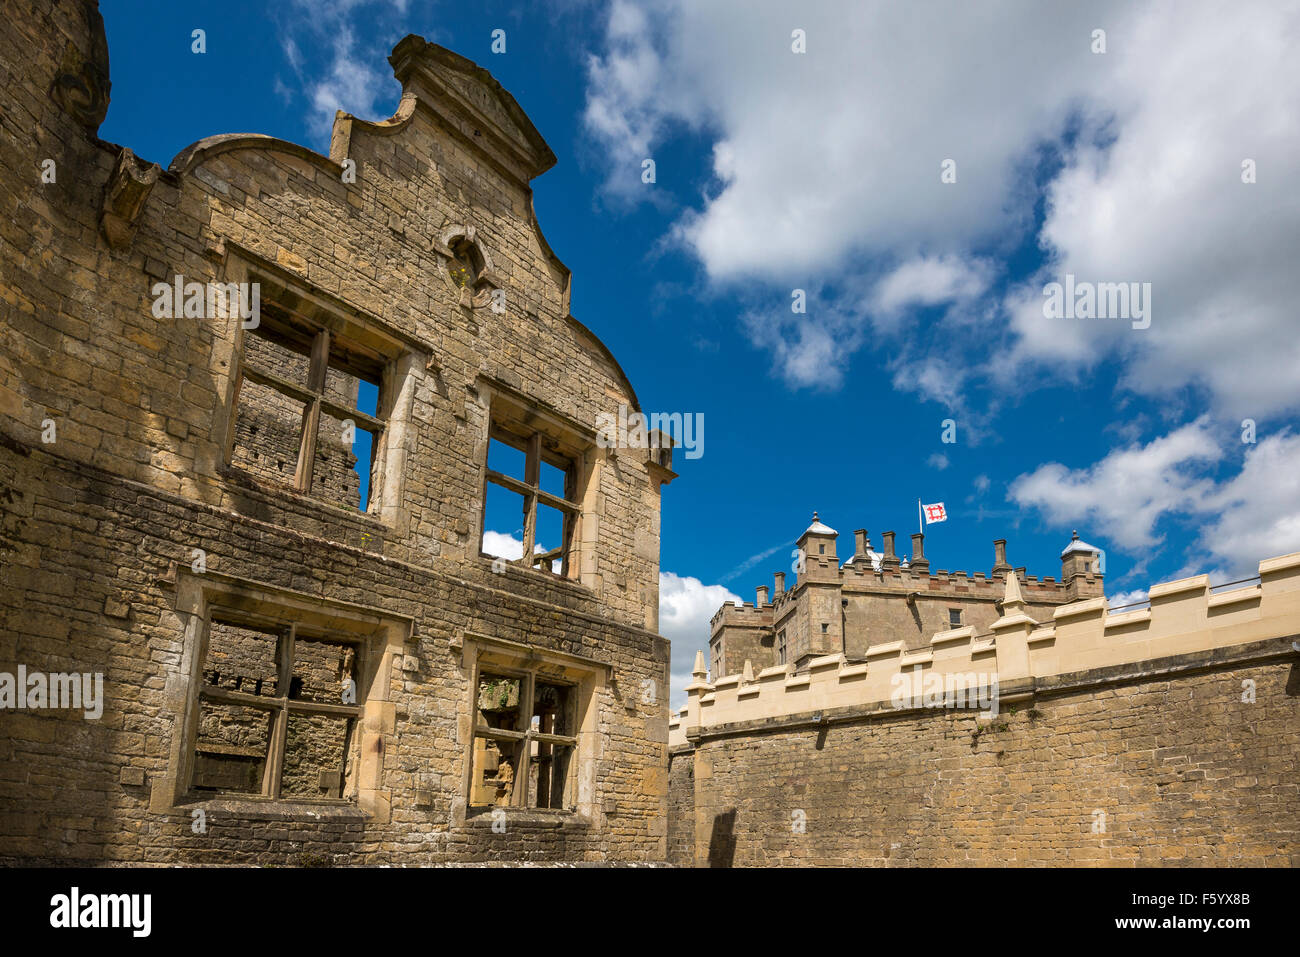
(464, 95)
(471, 101)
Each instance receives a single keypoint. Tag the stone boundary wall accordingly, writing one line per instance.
(1184, 616)
(1191, 760)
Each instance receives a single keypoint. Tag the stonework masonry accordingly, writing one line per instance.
(309, 656)
(291, 678)
(1158, 735)
(877, 597)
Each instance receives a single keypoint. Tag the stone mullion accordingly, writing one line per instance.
(275, 752)
(320, 352)
(532, 478)
(525, 723)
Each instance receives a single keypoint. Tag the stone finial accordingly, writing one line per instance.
(747, 676)
(700, 671)
(81, 85)
(1012, 600)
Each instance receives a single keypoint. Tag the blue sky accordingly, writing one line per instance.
(823, 171)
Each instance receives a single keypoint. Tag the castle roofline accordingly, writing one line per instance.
(1077, 545)
(817, 528)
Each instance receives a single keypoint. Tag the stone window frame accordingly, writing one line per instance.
(281, 706)
(534, 495)
(782, 649)
(406, 361)
(380, 636)
(529, 423)
(957, 614)
(588, 676)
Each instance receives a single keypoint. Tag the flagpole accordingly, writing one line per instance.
(920, 526)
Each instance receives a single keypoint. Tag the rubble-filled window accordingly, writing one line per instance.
(530, 510)
(525, 741)
(277, 711)
(307, 408)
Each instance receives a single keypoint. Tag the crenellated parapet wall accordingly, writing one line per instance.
(1183, 617)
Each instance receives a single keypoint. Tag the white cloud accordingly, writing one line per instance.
(929, 281)
(511, 548)
(1252, 515)
(1127, 492)
(686, 606)
(1121, 598)
(826, 166)
(505, 546)
(355, 76)
(937, 461)
(1258, 510)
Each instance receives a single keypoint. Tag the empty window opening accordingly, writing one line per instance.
(530, 510)
(307, 410)
(277, 712)
(518, 762)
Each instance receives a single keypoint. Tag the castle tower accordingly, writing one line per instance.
(1079, 558)
(817, 546)
(821, 627)
(1081, 568)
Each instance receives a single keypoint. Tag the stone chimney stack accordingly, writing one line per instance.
(862, 544)
(919, 561)
(760, 598)
(1000, 565)
(780, 584)
(890, 560)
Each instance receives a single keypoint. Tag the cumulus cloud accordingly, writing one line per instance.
(827, 164)
(929, 281)
(1122, 598)
(1251, 515)
(511, 549)
(1258, 511)
(686, 606)
(1128, 491)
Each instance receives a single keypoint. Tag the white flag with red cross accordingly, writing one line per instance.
(935, 513)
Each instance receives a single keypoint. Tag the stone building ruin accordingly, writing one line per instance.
(261, 411)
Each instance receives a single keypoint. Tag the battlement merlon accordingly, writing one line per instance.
(1185, 616)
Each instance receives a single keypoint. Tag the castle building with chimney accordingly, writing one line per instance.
(878, 597)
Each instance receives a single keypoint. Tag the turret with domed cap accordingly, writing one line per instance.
(817, 550)
(1081, 567)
